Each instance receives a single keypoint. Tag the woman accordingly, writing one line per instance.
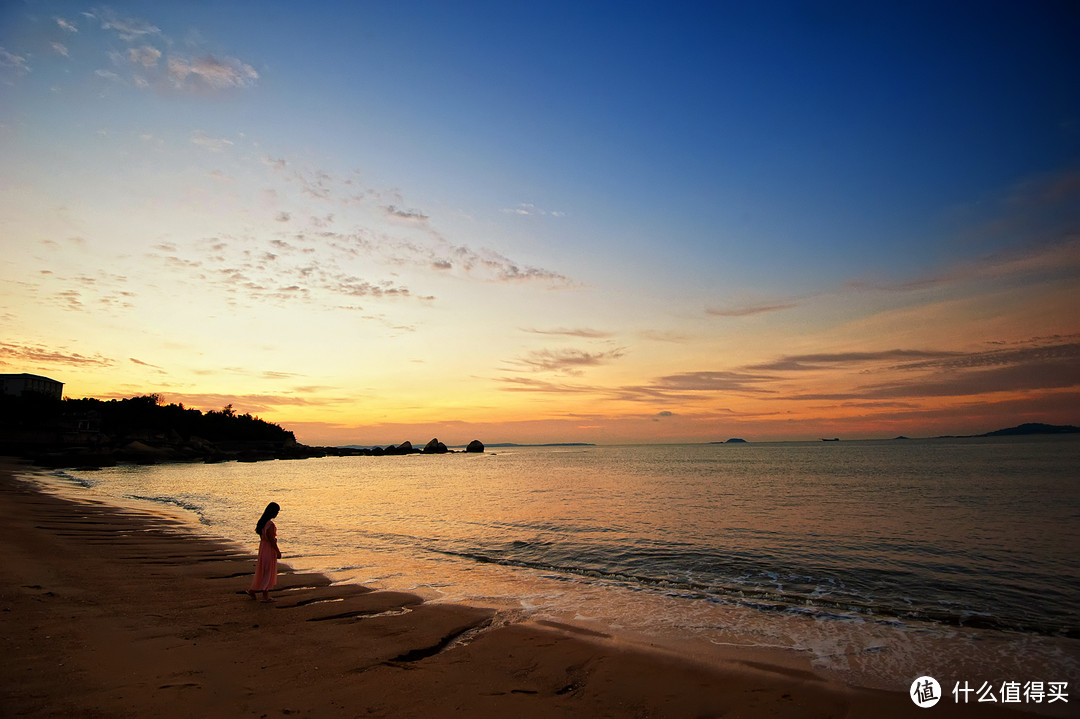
(266, 568)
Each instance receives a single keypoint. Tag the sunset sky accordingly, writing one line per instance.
(544, 222)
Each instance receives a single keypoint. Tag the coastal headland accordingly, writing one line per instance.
(109, 611)
(92, 433)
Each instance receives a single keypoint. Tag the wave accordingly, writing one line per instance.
(79, 481)
(196, 509)
(827, 598)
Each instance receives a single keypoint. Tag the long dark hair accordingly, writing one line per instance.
(269, 513)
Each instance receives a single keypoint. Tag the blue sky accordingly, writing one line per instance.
(846, 138)
(666, 188)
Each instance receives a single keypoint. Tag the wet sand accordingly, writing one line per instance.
(108, 611)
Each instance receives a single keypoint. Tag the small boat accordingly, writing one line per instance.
(834, 439)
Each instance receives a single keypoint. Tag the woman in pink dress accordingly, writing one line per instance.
(266, 568)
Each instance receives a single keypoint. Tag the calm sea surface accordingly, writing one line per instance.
(878, 558)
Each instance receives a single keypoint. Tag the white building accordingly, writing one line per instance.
(20, 384)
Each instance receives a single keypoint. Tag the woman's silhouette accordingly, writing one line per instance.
(266, 568)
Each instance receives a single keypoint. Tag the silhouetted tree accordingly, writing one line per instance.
(142, 414)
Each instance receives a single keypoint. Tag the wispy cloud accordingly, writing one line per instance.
(269, 374)
(128, 28)
(351, 286)
(749, 310)
(160, 370)
(506, 270)
(12, 66)
(1034, 234)
(246, 372)
(1026, 377)
(710, 381)
(209, 72)
(151, 62)
(424, 245)
(95, 290)
(666, 336)
(397, 213)
(342, 257)
(21, 355)
(214, 144)
(796, 363)
(582, 332)
(317, 184)
(904, 377)
(567, 361)
(532, 384)
(1059, 256)
(251, 272)
(1036, 210)
(1041, 365)
(1040, 351)
(526, 209)
(682, 388)
(144, 56)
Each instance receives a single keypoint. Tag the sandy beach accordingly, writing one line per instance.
(109, 611)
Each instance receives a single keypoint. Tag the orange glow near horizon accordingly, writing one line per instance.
(565, 385)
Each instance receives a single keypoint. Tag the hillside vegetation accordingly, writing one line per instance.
(99, 432)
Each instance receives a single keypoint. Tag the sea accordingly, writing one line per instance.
(877, 561)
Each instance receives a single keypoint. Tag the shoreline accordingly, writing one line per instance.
(143, 616)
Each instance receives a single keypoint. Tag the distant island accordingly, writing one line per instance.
(1033, 428)
(1028, 428)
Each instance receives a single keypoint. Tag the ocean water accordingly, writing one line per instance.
(880, 560)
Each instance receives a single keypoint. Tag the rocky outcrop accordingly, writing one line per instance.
(405, 447)
(150, 448)
(435, 447)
